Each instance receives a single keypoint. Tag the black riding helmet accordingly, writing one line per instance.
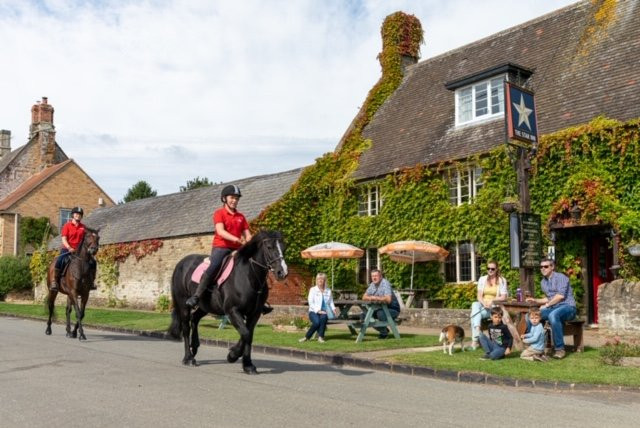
(231, 189)
(77, 210)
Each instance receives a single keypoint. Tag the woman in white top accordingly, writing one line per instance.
(320, 302)
(492, 288)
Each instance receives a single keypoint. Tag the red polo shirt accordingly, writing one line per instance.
(73, 233)
(234, 223)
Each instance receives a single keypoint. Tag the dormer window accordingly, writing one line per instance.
(480, 101)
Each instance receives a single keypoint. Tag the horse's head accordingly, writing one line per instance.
(273, 253)
(92, 240)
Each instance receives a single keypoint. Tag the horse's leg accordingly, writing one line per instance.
(195, 336)
(80, 314)
(185, 321)
(237, 320)
(247, 364)
(68, 313)
(51, 300)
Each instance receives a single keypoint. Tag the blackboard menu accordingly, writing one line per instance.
(530, 240)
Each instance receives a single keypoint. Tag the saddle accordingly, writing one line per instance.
(223, 273)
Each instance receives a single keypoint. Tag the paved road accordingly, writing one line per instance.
(129, 381)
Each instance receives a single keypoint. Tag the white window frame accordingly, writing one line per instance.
(475, 272)
(369, 254)
(371, 198)
(455, 181)
(64, 216)
(494, 83)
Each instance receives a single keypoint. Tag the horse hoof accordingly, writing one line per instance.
(232, 358)
(48, 332)
(194, 363)
(250, 370)
(83, 337)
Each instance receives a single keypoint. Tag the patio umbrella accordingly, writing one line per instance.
(413, 251)
(332, 250)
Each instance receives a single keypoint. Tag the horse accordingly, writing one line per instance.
(75, 282)
(241, 296)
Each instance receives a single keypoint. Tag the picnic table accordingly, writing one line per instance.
(356, 326)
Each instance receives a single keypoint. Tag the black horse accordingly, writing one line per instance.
(241, 297)
(75, 282)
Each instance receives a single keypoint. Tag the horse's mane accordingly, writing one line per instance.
(89, 230)
(251, 247)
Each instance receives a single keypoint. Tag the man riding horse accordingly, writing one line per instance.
(231, 232)
(72, 235)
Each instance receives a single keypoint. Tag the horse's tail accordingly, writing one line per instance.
(174, 329)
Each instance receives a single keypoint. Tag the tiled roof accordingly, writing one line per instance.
(33, 182)
(184, 213)
(581, 70)
(6, 160)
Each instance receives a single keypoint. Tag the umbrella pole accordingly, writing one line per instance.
(413, 261)
(331, 273)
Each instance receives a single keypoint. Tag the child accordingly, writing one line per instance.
(499, 342)
(535, 338)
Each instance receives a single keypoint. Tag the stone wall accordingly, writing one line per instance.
(619, 306)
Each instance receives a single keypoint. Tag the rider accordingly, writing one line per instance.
(231, 232)
(72, 235)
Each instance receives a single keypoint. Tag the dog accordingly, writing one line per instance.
(449, 336)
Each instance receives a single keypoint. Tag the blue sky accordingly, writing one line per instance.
(165, 91)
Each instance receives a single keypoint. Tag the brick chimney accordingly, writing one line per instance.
(5, 142)
(43, 131)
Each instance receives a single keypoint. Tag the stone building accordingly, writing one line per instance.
(39, 180)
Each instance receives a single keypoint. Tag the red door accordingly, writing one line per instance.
(601, 257)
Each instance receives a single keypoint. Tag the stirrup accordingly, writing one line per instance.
(266, 310)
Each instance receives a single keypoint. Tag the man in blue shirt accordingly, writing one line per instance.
(380, 291)
(557, 306)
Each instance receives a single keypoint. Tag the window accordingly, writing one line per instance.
(464, 184)
(65, 216)
(463, 263)
(368, 262)
(369, 201)
(480, 101)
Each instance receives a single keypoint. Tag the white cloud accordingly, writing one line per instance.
(170, 90)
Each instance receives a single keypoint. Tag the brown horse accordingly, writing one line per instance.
(75, 283)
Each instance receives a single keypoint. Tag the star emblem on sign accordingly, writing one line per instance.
(523, 112)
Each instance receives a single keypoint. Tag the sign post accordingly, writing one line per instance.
(522, 133)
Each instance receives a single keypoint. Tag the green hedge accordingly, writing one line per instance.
(14, 274)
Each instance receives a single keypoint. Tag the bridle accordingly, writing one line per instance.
(270, 262)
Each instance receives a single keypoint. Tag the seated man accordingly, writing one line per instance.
(380, 291)
(557, 306)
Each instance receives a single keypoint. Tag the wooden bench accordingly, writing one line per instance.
(573, 328)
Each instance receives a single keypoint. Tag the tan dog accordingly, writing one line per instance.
(449, 336)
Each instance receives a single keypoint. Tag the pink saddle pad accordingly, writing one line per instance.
(197, 274)
(226, 271)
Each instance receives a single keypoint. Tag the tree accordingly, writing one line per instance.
(196, 183)
(35, 231)
(140, 190)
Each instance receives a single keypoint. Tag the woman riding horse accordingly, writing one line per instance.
(75, 282)
(241, 296)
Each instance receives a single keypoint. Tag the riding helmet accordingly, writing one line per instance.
(231, 189)
(77, 210)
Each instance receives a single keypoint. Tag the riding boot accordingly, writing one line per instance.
(204, 282)
(56, 279)
(266, 309)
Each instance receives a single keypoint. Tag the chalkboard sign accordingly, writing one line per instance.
(530, 240)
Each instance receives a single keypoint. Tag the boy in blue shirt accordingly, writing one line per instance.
(535, 338)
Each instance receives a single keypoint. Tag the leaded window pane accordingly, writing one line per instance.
(464, 186)
(497, 95)
(481, 99)
(464, 257)
(465, 112)
(450, 274)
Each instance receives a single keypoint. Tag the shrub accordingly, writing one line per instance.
(163, 303)
(299, 322)
(614, 350)
(14, 274)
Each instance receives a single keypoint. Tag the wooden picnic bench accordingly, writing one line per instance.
(358, 326)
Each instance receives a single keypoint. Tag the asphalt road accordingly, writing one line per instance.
(130, 381)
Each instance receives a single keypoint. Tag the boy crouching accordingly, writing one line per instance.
(500, 341)
(534, 338)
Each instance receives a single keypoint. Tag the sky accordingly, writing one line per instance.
(169, 90)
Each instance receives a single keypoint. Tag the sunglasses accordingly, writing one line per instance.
(545, 266)
(491, 269)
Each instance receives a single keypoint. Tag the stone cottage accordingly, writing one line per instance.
(39, 180)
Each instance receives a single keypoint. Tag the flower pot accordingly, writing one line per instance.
(509, 207)
(634, 250)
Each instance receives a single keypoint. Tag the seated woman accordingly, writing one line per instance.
(492, 288)
(320, 301)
